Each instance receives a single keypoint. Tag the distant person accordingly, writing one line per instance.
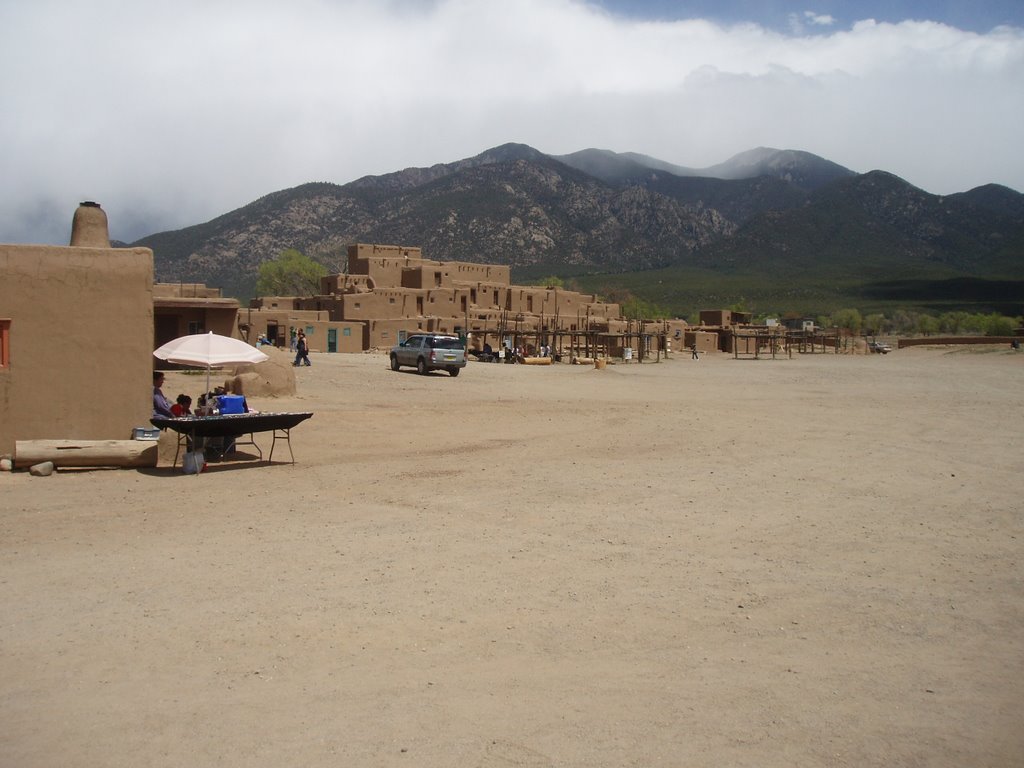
(301, 350)
(161, 405)
(182, 407)
(693, 351)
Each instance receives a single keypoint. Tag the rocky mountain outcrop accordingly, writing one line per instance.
(608, 212)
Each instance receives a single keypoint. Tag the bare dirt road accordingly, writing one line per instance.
(813, 561)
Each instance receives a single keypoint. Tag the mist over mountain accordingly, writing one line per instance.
(767, 212)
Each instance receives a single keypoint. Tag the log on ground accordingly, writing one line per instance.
(86, 453)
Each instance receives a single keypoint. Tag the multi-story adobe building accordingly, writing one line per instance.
(391, 290)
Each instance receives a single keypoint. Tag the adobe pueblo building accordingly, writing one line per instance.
(51, 360)
(391, 291)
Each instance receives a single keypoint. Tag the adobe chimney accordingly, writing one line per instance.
(89, 227)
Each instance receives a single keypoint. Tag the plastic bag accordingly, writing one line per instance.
(193, 463)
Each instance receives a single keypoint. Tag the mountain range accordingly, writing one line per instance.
(785, 218)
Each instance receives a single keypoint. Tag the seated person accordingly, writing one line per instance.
(161, 405)
(183, 406)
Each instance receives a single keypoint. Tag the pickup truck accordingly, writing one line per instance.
(879, 346)
(428, 352)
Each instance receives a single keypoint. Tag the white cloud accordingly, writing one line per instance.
(798, 21)
(172, 115)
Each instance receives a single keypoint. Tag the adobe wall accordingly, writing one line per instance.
(675, 333)
(608, 311)
(450, 325)
(443, 303)
(482, 320)
(325, 307)
(427, 274)
(274, 302)
(383, 303)
(341, 283)
(276, 324)
(925, 340)
(185, 291)
(552, 301)
(706, 341)
(724, 317)
(333, 336)
(174, 321)
(367, 250)
(383, 334)
(484, 295)
(81, 342)
(464, 271)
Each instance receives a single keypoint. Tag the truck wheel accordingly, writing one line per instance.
(421, 367)
(453, 371)
(394, 363)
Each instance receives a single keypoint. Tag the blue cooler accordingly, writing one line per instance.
(230, 404)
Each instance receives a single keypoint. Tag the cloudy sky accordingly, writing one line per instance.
(170, 114)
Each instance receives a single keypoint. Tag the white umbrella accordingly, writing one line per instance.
(207, 350)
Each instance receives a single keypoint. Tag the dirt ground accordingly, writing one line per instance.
(725, 562)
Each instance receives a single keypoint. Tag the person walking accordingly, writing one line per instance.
(693, 351)
(301, 349)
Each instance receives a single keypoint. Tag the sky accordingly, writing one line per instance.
(171, 114)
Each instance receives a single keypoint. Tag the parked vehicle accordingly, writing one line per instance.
(879, 346)
(428, 352)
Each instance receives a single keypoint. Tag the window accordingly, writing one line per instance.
(194, 327)
(346, 331)
(442, 342)
(5, 343)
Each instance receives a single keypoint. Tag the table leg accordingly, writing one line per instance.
(287, 437)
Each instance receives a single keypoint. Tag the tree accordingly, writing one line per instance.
(616, 295)
(927, 325)
(638, 309)
(903, 321)
(998, 325)
(550, 282)
(876, 323)
(849, 319)
(954, 322)
(290, 274)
